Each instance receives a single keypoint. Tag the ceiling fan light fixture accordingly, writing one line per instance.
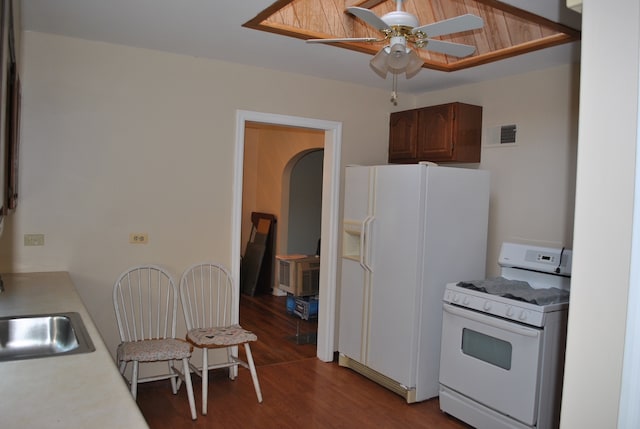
(414, 66)
(379, 63)
(398, 58)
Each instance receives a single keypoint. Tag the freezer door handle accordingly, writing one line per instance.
(368, 238)
(363, 228)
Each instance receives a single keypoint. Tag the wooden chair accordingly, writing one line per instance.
(206, 292)
(145, 299)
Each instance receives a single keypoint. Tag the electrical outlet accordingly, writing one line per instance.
(138, 238)
(34, 239)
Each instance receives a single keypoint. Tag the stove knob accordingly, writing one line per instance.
(523, 315)
(509, 312)
(487, 306)
(465, 301)
(456, 298)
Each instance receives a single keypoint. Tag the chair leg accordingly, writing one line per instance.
(231, 356)
(174, 387)
(134, 379)
(254, 374)
(205, 380)
(189, 386)
(177, 378)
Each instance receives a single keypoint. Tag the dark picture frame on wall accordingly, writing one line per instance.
(4, 55)
(13, 134)
(10, 95)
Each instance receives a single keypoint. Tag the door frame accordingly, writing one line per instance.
(330, 216)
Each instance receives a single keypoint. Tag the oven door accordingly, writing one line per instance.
(492, 361)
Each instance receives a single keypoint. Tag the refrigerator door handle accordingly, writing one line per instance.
(363, 229)
(366, 243)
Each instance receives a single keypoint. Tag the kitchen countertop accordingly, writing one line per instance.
(74, 391)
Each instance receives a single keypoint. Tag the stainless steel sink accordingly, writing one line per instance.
(43, 335)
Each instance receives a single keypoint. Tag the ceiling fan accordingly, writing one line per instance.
(401, 28)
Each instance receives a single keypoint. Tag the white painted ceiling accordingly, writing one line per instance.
(213, 29)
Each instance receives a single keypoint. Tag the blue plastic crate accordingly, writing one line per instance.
(291, 303)
(306, 308)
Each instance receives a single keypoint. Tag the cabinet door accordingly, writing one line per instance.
(435, 133)
(403, 144)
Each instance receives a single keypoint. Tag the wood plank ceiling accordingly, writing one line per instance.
(507, 31)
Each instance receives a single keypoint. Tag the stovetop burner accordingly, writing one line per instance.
(518, 290)
(534, 281)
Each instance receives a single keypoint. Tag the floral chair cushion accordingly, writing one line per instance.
(220, 336)
(154, 350)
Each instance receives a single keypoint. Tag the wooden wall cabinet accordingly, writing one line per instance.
(444, 133)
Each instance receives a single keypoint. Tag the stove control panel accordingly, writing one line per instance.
(542, 259)
(497, 306)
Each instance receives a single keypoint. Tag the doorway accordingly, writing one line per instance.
(329, 219)
(301, 214)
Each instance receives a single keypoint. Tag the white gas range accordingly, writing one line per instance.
(503, 341)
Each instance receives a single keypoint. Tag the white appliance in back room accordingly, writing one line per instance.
(408, 231)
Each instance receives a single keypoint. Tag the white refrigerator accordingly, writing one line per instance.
(408, 230)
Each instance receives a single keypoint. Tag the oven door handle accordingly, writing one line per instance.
(488, 320)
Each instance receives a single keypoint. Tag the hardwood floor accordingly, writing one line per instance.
(298, 389)
(282, 337)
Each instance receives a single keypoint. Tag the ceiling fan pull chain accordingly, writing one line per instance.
(394, 90)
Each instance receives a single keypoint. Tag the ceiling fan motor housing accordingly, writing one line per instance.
(400, 18)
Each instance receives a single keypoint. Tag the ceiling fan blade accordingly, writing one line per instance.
(449, 48)
(369, 17)
(348, 39)
(452, 25)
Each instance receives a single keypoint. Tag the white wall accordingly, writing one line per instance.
(604, 215)
(533, 181)
(118, 140)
